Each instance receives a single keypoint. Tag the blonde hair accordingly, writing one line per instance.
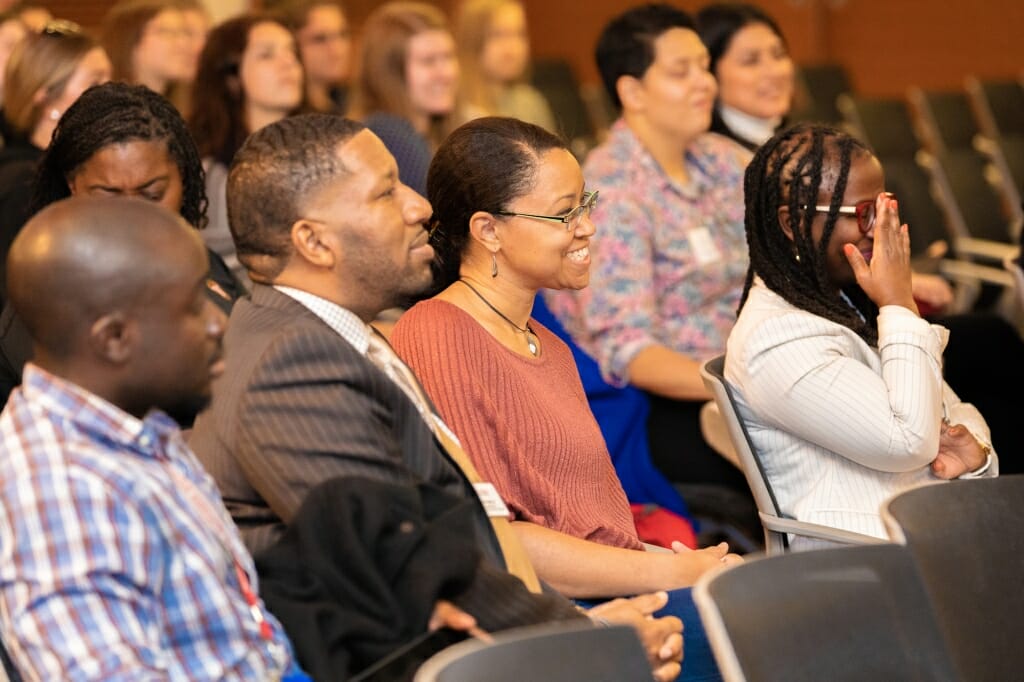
(41, 62)
(472, 25)
(379, 84)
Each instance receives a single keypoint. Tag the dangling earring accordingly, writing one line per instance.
(796, 255)
(494, 265)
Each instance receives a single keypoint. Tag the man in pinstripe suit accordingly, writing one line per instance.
(331, 237)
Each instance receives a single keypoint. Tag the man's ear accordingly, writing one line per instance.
(483, 228)
(630, 91)
(114, 337)
(313, 243)
(785, 222)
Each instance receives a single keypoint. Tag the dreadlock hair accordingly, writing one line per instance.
(790, 170)
(114, 113)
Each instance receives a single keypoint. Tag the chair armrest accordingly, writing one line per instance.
(963, 270)
(817, 531)
(984, 248)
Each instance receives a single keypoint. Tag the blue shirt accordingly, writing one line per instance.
(117, 557)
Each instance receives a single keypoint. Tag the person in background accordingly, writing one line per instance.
(494, 52)
(668, 265)
(197, 26)
(12, 30)
(325, 46)
(756, 81)
(406, 87)
(755, 74)
(249, 76)
(45, 74)
(125, 141)
(755, 77)
(148, 43)
(836, 376)
(120, 560)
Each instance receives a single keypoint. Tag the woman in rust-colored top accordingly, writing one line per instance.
(512, 217)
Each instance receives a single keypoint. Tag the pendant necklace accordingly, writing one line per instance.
(531, 336)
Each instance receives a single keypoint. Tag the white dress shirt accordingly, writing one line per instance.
(840, 426)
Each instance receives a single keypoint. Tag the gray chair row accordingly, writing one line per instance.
(942, 604)
(562, 652)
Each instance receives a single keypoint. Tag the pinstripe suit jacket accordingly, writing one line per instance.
(298, 405)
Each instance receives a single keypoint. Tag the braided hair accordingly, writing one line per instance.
(114, 113)
(790, 170)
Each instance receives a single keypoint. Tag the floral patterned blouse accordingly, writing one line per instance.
(668, 260)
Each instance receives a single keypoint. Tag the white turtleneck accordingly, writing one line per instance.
(751, 128)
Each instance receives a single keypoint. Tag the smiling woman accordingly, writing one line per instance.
(755, 73)
(406, 86)
(512, 216)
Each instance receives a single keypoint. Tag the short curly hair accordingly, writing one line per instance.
(278, 168)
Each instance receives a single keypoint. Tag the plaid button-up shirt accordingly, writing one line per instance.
(113, 566)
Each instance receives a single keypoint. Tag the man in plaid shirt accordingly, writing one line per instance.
(117, 557)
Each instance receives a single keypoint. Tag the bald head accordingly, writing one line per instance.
(82, 258)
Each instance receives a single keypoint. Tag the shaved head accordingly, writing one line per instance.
(113, 292)
(81, 258)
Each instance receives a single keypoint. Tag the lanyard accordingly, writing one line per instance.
(216, 523)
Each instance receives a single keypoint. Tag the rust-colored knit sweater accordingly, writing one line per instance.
(525, 422)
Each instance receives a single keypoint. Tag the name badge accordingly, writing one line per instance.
(491, 500)
(703, 246)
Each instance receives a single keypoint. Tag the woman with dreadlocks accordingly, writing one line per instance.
(837, 377)
(126, 141)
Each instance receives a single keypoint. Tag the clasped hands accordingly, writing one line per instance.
(661, 637)
(959, 452)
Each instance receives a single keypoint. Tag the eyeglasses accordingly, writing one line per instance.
(571, 219)
(61, 28)
(863, 210)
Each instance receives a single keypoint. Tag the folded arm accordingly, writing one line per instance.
(804, 377)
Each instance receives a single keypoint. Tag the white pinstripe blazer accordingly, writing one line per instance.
(841, 426)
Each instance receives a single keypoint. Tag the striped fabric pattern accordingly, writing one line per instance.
(299, 404)
(841, 426)
(106, 572)
(668, 259)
